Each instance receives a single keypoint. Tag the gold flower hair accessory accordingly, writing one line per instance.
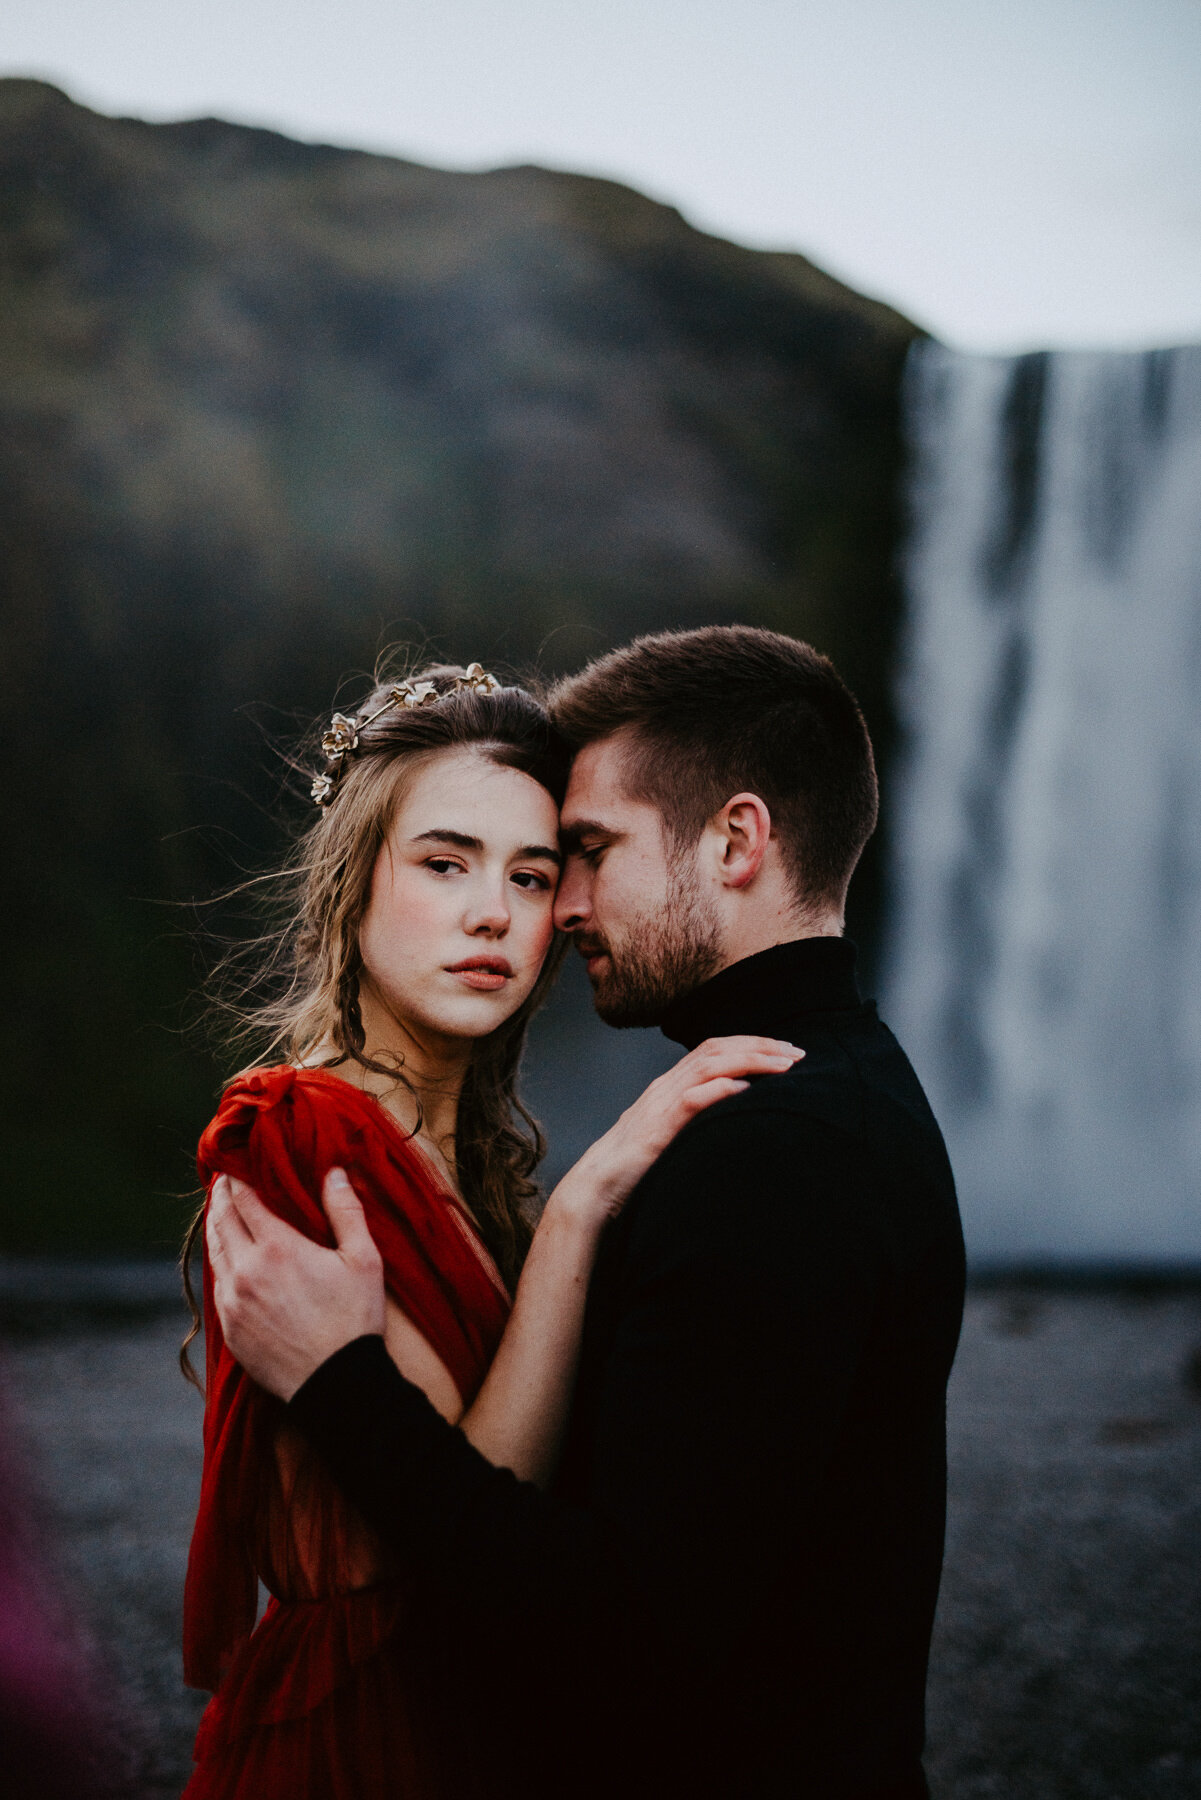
(342, 738)
(477, 677)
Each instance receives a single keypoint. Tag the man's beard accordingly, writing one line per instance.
(661, 957)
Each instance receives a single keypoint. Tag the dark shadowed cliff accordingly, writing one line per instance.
(265, 406)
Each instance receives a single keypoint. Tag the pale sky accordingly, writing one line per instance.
(1011, 173)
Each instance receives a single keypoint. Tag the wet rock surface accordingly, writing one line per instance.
(1067, 1657)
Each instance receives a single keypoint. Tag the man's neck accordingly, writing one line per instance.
(787, 928)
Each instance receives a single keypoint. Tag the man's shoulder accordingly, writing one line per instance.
(775, 1119)
(742, 1160)
(845, 1133)
(823, 1092)
(854, 1079)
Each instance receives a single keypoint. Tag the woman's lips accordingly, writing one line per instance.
(485, 974)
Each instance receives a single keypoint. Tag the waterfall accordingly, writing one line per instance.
(1043, 964)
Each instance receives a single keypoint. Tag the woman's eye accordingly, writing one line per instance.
(442, 865)
(532, 881)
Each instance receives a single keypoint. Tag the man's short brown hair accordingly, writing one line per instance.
(731, 709)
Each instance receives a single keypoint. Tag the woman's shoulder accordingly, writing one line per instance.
(283, 1101)
(260, 1090)
(254, 1092)
(308, 1118)
(282, 1083)
(282, 1129)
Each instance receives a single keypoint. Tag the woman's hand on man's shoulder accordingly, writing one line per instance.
(596, 1189)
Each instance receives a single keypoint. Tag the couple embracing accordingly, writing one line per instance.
(647, 1500)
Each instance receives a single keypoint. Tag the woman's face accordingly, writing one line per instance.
(458, 920)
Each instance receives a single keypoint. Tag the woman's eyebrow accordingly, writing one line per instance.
(462, 840)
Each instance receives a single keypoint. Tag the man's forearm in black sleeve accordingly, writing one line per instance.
(746, 1289)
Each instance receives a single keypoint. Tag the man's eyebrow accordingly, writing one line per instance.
(462, 840)
(572, 836)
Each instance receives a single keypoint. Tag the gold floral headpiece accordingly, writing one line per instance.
(342, 738)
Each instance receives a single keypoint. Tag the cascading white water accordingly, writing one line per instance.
(1043, 967)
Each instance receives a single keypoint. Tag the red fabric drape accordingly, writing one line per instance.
(316, 1700)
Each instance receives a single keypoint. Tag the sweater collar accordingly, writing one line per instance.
(765, 991)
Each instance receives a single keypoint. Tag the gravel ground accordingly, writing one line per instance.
(1067, 1658)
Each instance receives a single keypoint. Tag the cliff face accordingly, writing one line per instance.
(265, 406)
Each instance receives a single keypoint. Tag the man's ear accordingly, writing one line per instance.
(743, 828)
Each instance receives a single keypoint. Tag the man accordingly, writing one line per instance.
(731, 1589)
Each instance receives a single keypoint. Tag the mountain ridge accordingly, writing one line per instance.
(263, 406)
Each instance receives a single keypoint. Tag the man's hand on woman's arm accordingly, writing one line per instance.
(285, 1303)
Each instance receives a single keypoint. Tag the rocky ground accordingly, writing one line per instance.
(1067, 1660)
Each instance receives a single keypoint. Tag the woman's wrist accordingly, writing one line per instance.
(581, 1202)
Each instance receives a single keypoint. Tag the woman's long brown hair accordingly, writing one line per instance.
(292, 992)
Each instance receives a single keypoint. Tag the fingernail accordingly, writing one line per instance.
(339, 1177)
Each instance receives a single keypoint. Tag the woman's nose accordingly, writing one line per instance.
(489, 914)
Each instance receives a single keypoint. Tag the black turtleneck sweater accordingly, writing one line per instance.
(731, 1589)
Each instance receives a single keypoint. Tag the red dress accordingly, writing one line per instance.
(327, 1697)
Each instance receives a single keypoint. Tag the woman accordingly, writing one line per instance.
(419, 943)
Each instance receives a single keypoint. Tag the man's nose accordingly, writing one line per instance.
(573, 900)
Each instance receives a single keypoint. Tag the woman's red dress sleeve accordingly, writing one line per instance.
(281, 1130)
